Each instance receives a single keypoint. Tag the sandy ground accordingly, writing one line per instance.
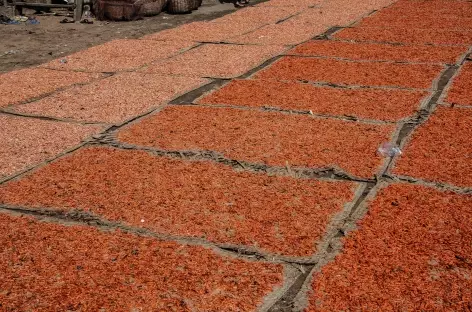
(26, 45)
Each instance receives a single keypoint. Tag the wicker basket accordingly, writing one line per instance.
(195, 4)
(150, 7)
(116, 11)
(179, 6)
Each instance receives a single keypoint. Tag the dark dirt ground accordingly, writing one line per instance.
(26, 45)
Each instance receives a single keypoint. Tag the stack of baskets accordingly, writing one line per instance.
(127, 10)
(119, 10)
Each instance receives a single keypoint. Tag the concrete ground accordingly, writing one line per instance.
(237, 165)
